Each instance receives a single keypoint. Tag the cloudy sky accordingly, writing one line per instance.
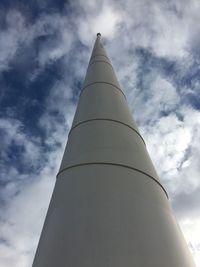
(44, 51)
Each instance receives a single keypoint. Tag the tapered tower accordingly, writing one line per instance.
(109, 208)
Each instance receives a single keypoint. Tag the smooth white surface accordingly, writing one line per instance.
(105, 215)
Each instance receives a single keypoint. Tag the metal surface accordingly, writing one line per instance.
(108, 206)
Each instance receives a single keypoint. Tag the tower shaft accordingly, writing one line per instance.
(108, 207)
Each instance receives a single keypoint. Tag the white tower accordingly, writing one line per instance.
(108, 207)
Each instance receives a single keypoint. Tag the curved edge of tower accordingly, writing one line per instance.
(108, 207)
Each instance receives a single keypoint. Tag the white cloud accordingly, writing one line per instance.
(13, 135)
(22, 220)
(10, 38)
(105, 19)
(158, 92)
(173, 144)
(191, 231)
(26, 196)
(59, 37)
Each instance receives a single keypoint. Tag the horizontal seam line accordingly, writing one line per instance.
(99, 61)
(104, 119)
(114, 164)
(99, 56)
(119, 89)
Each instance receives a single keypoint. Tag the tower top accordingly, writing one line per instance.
(99, 34)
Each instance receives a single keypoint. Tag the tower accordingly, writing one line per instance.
(108, 207)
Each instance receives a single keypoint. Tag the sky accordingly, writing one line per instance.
(45, 47)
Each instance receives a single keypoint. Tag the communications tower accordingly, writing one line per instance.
(108, 208)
